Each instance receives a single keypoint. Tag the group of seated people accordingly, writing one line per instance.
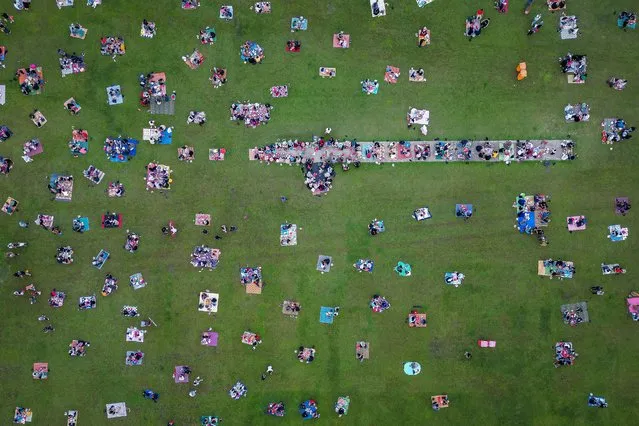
(87, 302)
(617, 132)
(5, 133)
(252, 114)
(617, 83)
(158, 176)
(622, 206)
(78, 347)
(251, 52)
(111, 220)
(379, 303)
(369, 86)
(119, 148)
(318, 177)
(205, 257)
(627, 20)
(416, 74)
(559, 268)
(64, 255)
(294, 151)
(574, 64)
(186, 153)
(134, 358)
(152, 89)
(56, 298)
(114, 93)
(276, 409)
(238, 390)
(99, 260)
(110, 285)
(573, 317)
(306, 355)
(72, 106)
(474, 24)
(71, 63)
(250, 275)
(148, 29)
(190, 4)
(112, 46)
(31, 147)
(116, 189)
(31, 78)
(207, 35)
(218, 77)
(129, 311)
(564, 354)
(6, 164)
(577, 112)
(196, 117)
(132, 242)
(376, 226)
(61, 184)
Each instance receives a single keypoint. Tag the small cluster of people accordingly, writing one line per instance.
(207, 35)
(6, 164)
(622, 206)
(276, 409)
(559, 268)
(476, 23)
(306, 355)
(116, 189)
(111, 220)
(114, 93)
(132, 242)
(252, 114)
(5, 133)
(577, 112)
(31, 147)
(318, 176)
(64, 255)
(416, 74)
(30, 290)
(148, 29)
(218, 77)
(134, 358)
(112, 46)
(379, 303)
(364, 265)
(186, 153)
(72, 106)
(152, 89)
(376, 226)
(61, 185)
(196, 117)
(129, 311)
(370, 87)
(251, 52)
(576, 65)
(31, 79)
(627, 20)
(190, 4)
(120, 149)
(78, 347)
(238, 390)
(5, 20)
(158, 176)
(71, 63)
(205, 257)
(617, 83)
(249, 275)
(56, 298)
(617, 132)
(564, 354)
(573, 317)
(110, 285)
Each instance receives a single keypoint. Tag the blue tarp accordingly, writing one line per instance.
(326, 315)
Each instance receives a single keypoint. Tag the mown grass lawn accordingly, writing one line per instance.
(471, 93)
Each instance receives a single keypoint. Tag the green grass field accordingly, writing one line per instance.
(471, 93)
